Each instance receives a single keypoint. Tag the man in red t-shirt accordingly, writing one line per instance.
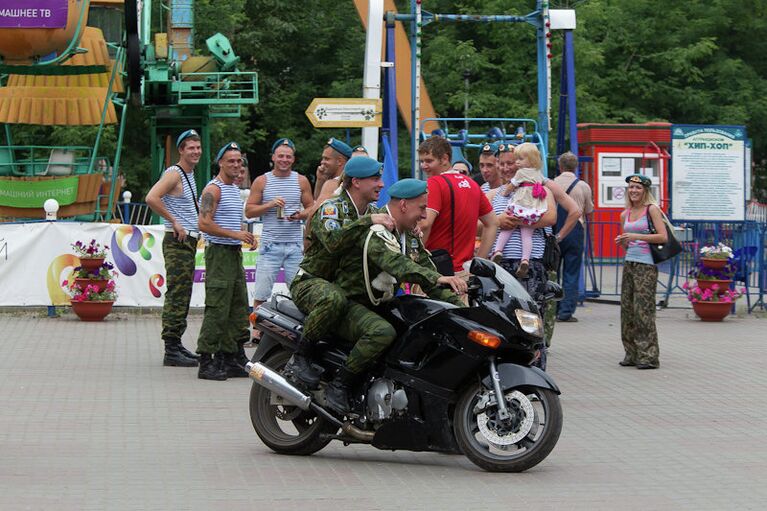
(468, 206)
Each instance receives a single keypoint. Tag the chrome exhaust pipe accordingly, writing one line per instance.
(277, 384)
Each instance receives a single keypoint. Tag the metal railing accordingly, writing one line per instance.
(230, 88)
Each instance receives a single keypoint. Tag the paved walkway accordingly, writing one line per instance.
(89, 419)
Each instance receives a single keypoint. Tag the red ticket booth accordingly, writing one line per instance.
(616, 151)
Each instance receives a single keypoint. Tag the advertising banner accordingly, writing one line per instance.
(33, 13)
(708, 173)
(33, 194)
(35, 258)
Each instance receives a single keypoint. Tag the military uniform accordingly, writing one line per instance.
(383, 251)
(312, 289)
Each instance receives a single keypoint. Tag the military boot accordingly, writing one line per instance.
(209, 369)
(174, 357)
(299, 369)
(187, 353)
(337, 391)
(230, 365)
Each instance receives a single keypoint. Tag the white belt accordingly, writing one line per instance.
(191, 234)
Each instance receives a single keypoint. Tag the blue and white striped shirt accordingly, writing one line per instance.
(281, 230)
(181, 206)
(513, 249)
(228, 213)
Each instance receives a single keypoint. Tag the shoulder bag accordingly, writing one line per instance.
(663, 251)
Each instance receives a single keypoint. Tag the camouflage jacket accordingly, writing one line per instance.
(392, 259)
(327, 234)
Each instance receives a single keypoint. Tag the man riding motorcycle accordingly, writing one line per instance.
(369, 272)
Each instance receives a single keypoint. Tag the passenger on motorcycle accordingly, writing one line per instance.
(322, 301)
(375, 263)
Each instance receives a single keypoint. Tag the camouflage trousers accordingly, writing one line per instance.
(323, 303)
(226, 301)
(549, 318)
(638, 333)
(179, 275)
(371, 334)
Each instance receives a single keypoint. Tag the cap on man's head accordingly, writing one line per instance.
(359, 149)
(461, 160)
(407, 189)
(488, 148)
(231, 146)
(362, 167)
(184, 136)
(339, 146)
(639, 178)
(503, 148)
(283, 141)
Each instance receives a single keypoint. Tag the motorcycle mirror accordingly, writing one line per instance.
(553, 292)
(482, 268)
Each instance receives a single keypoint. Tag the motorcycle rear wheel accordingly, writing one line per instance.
(513, 446)
(286, 429)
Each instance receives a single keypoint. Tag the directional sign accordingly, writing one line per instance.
(345, 113)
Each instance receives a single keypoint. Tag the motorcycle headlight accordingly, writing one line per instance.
(530, 322)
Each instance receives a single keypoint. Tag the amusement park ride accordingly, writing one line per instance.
(85, 63)
(67, 63)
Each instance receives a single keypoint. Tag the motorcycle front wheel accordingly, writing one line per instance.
(514, 444)
(284, 428)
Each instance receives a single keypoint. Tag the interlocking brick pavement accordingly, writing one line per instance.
(90, 419)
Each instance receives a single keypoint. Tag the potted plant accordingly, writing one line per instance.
(712, 304)
(99, 277)
(708, 277)
(91, 255)
(715, 256)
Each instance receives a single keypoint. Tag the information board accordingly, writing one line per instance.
(708, 173)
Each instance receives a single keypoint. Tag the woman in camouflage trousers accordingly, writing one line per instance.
(640, 275)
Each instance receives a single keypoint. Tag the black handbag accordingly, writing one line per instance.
(552, 254)
(663, 251)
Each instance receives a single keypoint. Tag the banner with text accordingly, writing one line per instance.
(708, 173)
(21, 193)
(33, 13)
(35, 258)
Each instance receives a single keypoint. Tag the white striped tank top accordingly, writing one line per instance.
(181, 206)
(513, 249)
(228, 213)
(277, 230)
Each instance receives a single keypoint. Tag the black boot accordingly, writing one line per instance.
(209, 369)
(299, 369)
(231, 366)
(337, 391)
(187, 353)
(174, 357)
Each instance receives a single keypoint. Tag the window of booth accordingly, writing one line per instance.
(615, 167)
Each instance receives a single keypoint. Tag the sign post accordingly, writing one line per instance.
(345, 113)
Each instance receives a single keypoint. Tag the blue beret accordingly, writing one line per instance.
(342, 147)
(639, 178)
(231, 146)
(461, 160)
(362, 166)
(359, 149)
(184, 136)
(407, 189)
(283, 141)
(488, 147)
(504, 148)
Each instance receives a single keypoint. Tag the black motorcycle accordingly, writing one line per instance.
(436, 389)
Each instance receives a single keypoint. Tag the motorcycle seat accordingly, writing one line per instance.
(287, 307)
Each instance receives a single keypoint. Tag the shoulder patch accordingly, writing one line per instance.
(389, 239)
(332, 225)
(328, 210)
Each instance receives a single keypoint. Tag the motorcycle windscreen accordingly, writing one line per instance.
(511, 285)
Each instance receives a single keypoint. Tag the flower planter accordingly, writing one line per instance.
(724, 285)
(91, 264)
(714, 263)
(712, 311)
(92, 311)
(100, 284)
